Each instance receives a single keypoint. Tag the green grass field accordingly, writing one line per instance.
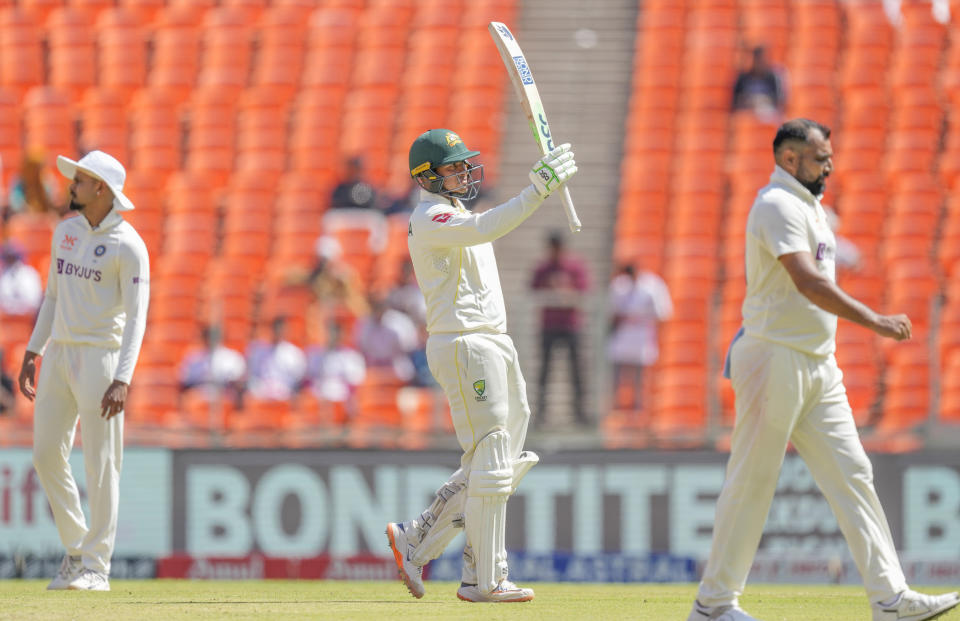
(387, 601)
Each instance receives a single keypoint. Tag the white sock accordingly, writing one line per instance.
(893, 600)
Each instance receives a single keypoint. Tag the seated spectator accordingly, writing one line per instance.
(35, 188)
(335, 285)
(386, 338)
(638, 303)
(335, 370)
(848, 255)
(403, 203)
(21, 290)
(7, 387)
(353, 192)
(422, 375)
(214, 370)
(405, 295)
(276, 368)
(760, 88)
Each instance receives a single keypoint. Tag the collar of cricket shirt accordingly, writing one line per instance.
(109, 221)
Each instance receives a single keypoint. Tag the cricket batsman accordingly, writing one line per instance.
(473, 359)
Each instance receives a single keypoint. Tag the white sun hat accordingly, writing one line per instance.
(105, 168)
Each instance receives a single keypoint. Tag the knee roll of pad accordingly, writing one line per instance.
(491, 472)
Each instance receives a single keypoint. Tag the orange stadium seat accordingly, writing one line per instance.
(146, 11)
(10, 122)
(49, 121)
(122, 45)
(176, 53)
(72, 54)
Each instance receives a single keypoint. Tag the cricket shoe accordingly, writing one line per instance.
(90, 580)
(913, 606)
(402, 548)
(70, 568)
(506, 591)
(718, 613)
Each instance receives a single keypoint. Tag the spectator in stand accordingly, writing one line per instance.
(848, 255)
(354, 192)
(216, 371)
(404, 203)
(386, 338)
(760, 88)
(638, 303)
(7, 386)
(405, 296)
(35, 187)
(336, 287)
(276, 368)
(334, 371)
(560, 283)
(21, 290)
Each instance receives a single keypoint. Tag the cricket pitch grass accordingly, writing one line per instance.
(389, 601)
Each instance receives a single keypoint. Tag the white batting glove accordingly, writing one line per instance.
(553, 170)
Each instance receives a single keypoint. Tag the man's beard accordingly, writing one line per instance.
(75, 206)
(816, 186)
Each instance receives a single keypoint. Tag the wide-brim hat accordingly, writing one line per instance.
(104, 167)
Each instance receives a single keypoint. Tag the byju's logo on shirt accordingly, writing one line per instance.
(68, 242)
(72, 269)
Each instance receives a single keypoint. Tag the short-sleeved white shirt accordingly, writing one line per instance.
(787, 218)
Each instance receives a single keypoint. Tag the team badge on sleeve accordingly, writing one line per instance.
(442, 218)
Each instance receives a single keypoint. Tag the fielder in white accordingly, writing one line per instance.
(789, 389)
(93, 314)
(473, 359)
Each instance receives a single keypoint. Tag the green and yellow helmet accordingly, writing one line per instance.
(438, 147)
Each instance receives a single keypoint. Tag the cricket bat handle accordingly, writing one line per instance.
(572, 218)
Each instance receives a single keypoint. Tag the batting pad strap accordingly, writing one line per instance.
(522, 465)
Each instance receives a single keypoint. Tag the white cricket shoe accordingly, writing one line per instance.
(89, 580)
(718, 613)
(402, 548)
(506, 591)
(914, 606)
(70, 568)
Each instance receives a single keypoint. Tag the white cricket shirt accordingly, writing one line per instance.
(787, 218)
(453, 259)
(97, 291)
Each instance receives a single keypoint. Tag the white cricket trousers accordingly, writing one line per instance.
(783, 395)
(480, 375)
(73, 380)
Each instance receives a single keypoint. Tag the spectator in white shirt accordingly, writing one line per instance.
(334, 371)
(276, 368)
(214, 369)
(638, 303)
(21, 290)
(386, 337)
(406, 295)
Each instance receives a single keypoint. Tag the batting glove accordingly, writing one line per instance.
(553, 170)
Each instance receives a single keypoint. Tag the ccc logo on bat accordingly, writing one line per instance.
(505, 31)
(545, 131)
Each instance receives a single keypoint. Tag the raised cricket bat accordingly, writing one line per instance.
(526, 88)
